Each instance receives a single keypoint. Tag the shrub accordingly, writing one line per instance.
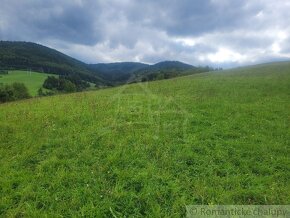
(15, 91)
(68, 86)
(20, 91)
(51, 83)
(45, 93)
(3, 72)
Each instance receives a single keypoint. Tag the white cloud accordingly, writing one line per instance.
(223, 32)
(225, 55)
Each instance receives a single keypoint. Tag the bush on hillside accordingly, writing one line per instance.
(41, 92)
(51, 82)
(13, 92)
(3, 72)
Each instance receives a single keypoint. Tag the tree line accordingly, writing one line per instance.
(66, 84)
(52, 85)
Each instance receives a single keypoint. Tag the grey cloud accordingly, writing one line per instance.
(193, 17)
(64, 20)
(221, 32)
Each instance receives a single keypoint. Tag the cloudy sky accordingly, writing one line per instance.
(222, 33)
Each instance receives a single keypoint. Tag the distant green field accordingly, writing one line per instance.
(32, 80)
(149, 149)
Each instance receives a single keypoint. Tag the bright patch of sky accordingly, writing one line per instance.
(222, 33)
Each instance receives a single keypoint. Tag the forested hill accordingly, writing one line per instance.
(168, 69)
(35, 57)
(132, 71)
(117, 72)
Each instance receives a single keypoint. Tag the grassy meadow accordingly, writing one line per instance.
(149, 149)
(32, 80)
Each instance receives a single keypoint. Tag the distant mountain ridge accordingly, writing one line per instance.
(131, 71)
(168, 69)
(119, 71)
(166, 65)
(32, 56)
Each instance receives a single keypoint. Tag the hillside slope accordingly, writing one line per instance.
(32, 80)
(149, 149)
(35, 57)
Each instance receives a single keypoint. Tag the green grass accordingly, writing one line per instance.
(32, 80)
(149, 149)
